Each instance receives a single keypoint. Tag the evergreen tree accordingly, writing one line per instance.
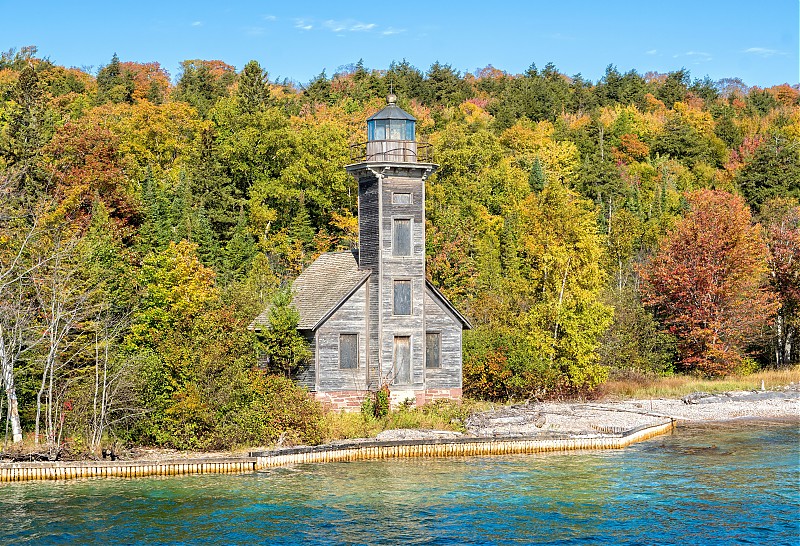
(773, 172)
(28, 128)
(205, 238)
(252, 93)
(537, 179)
(239, 252)
(155, 231)
(286, 350)
(114, 84)
(300, 228)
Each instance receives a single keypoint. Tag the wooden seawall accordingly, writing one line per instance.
(68, 470)
(460, 447)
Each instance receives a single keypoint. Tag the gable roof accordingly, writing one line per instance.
(449, 306)
(321, 289)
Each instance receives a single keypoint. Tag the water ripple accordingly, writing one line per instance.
(712, 486)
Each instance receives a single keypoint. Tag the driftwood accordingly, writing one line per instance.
(27, 457)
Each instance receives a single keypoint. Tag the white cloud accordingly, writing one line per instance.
(348, 26)
(270, 18)
(302, 24)
(651, 52)
(361, 27)
(698, 56)
(392, 31)
(197, 23)
(764, 52)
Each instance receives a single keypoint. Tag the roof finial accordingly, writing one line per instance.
(391, 98)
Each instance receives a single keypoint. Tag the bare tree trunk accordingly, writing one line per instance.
(560, 299)
(7, 361)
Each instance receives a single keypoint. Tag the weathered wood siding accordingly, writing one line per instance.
(368, 221)
(350, 318)
(401, 180)
(378, 210)
(307, 376)
(374, 334)
(439, 319)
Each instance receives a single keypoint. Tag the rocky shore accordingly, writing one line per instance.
(587, 419)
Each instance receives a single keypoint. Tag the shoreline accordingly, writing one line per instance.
(526, 428)
(585, 417)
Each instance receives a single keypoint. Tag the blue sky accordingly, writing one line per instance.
(756, 41)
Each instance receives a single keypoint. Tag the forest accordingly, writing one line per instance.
(643, 224)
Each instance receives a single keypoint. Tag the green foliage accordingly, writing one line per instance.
(189, 204)
(252, 92)
(202, 83)
(114, 84)
(285, 348)
(774, 171)
(376, 404)
(273, 408)
(633, 342)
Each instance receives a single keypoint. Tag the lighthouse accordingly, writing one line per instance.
(371, 317)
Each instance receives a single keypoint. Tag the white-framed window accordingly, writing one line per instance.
(401, 237)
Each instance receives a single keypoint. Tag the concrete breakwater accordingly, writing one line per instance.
(360, 451)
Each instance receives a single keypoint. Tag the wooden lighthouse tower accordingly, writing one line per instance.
(371, 317)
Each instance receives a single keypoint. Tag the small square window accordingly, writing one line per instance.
(433, 344)
(402, 297)
(401, 198)
(348, 351)
(401, 237)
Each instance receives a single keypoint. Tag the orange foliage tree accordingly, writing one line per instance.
(86, 166)
(150, 80)
(707, 282)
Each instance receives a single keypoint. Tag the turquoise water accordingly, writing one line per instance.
(722, 485)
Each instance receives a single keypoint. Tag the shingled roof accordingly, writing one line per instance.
(321, 289)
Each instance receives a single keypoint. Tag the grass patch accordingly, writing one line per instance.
(440, 415)
(678, 386)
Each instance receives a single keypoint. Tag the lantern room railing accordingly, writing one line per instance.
(395, 151)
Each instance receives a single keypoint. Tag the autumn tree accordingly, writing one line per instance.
(114, 83)
(706, 283)
(781, 219)
(202, 83)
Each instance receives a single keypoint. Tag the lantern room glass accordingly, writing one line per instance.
(390, 129)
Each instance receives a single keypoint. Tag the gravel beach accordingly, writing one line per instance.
(597, 418)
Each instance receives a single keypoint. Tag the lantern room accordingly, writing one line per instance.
(391, 134)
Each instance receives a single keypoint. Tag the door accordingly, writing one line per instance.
(402, 360)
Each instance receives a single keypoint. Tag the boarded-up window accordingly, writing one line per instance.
(433, 343)
(402, 297)
(401, 198)
(348, 351)
(401, 237)
(402, 360)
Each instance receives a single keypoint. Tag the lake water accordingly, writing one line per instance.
(726, 484)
